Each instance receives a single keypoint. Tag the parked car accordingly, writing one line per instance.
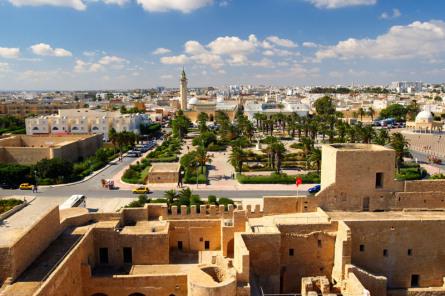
(141, 190)
(8, 186)
(314, 189)
(133, 153)
(25, 186)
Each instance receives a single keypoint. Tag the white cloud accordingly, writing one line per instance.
(281, 42)
(332, 4)
(76, 4)
(4, 67)
(202, 55)
(391, 15)
(175, 60)
(112, 60)
(89, 53)
(418, 39)
(116, 2)
(43, 49)
(184, 6)
(265, 63)
(234, 47)
(161, 51)
(310, 44)
(168, 76)
(9, 53)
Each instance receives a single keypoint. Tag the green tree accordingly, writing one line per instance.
(202, 157)
(315, 158)
(395, 111)
(202, 122)
(324, 106)
(400, 146)
(236, 158)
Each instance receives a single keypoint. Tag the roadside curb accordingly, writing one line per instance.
(95, 173)
(15, 209)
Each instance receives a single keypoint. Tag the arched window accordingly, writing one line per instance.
(35, 128)
(55, 128)
(75, 128)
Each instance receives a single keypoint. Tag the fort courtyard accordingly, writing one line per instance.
(363, 234)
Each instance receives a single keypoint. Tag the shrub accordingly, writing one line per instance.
(211, 199)
(7, 204)
(275, 178)
(226, 202)
(437, 176)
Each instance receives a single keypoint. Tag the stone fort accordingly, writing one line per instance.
(363, 234)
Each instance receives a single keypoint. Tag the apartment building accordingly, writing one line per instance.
(85, 121)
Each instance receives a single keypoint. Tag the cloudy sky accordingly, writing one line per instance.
(111, 44)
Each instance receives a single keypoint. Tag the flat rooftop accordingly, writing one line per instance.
(164, 167)
(412, 215)
(357, 146)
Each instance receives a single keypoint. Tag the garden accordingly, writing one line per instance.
(184, 197)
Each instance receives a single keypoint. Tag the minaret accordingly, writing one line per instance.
(183, 90)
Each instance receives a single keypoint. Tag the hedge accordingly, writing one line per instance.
(7, 204)
(190, 176)
(275, 178)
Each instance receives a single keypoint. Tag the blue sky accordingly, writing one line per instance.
(109, 44)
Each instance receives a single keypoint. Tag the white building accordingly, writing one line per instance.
(85, 121)
(271, 108)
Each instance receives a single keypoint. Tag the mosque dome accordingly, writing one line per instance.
(193, 101)
(424, 116)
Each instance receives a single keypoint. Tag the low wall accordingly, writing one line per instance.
(358, 279)
(425, 185)
(149, 285)
(32, 243)
(66, 279)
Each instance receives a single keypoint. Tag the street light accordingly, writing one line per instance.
(197, 169)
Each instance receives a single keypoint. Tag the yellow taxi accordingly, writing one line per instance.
(141, 190)
(25, 186)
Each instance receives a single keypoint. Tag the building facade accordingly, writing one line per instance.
(85, 121)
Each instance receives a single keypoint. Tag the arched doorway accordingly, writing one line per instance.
(99, 294)
(136, 294)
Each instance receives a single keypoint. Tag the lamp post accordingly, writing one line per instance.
(197, 174)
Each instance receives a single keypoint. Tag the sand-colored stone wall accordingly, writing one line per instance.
(194, 233)
(28, 150)
(264, 250)
(28, 247)
(66, 279)
(358, 280)
(412, 247)
(342, 252)
(312, 247)
(146, 248)
(425, 185)
(149, 285)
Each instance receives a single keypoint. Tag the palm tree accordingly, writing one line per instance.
(258, 117)
(112, 136)
(371, 112)
(236, 158)
(202, 122)
(367, 133)
(278, 150)
(382, 137)
(315, 157)
(202, 158)
(400, 145)
(361, 112)
(171, 196)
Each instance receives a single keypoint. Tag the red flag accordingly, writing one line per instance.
(298, 181)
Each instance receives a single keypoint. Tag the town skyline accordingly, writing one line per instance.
(82, 45)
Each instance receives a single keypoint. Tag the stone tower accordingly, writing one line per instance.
(183, 90)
